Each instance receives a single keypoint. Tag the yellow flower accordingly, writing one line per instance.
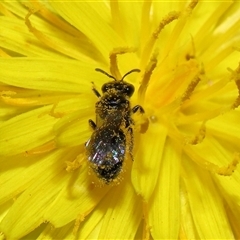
(184, 181)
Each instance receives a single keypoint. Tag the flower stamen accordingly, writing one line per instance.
(76, 163)
(151, 42)
(231, 167)
(113, 60)
(38, 34)
(236, 77)
(47, 147)
(58, 44)
(191, 87)
(211, 167)
(55, 114)
(200, 136)
(146, 77)
(145, 23)
(52, 18)
(178, 28)
(80, 218)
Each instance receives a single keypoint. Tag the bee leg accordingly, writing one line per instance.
(130, 146)
(96, 92)
(92, 124)
(138, 108)
(129, 121)
(145, 123)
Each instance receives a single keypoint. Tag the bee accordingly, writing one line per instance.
(112, 138)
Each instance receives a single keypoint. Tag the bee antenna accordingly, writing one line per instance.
(133, 70)
(101, 71)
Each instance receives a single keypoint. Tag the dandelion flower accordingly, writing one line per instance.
(184, 180)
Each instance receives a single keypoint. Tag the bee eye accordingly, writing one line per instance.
(105, 87)
(129, 90)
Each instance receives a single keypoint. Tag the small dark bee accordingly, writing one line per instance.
(112, 138)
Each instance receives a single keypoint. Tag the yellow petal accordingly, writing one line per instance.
(16, 8)
(23, 132)
(146, 167)
(164, 205)
(28, 210)
(123, 213)
(92, 18)
(126, 18)
(206, 204)
(226, 126)
(16, 37)
(73, 129)
(45, 74)
(76, 199)
(21, 175)
(187, 228)
(49, 233)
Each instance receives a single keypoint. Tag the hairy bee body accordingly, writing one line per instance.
(113, 136)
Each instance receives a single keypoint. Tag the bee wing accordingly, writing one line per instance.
(106, 152)
(106, 146)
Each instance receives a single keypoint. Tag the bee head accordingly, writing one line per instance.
(121, 86)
